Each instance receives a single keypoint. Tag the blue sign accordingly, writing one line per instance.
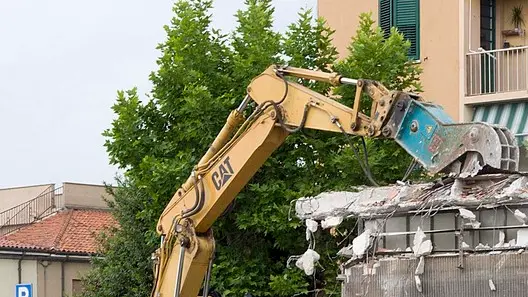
(23, 290)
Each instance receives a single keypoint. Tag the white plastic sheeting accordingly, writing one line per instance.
(307, 261)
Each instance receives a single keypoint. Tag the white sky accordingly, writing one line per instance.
(61, 63)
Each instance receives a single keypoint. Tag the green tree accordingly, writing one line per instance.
(255, 43)
(124, 270)
(308, 44)
(202, 75)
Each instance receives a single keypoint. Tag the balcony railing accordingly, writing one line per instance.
(37, 208)
(497, 71)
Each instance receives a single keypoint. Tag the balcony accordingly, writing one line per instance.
(496, 75)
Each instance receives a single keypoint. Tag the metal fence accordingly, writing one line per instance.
(497, 71)
(39, 207)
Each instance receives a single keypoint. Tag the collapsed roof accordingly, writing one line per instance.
(462, 237)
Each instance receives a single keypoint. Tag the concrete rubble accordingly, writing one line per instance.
(419, 229)
(311, 227)
(522, 238)
(361, 243)
(330, 222)
(421, 247)
(368, 202)
(521, 216)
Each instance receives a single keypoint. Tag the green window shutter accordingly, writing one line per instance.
(386, 16)
(407, 20)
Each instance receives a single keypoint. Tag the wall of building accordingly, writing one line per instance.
(9, 273)
(440, 53)
(84, 196)
(472, 25)
(74, 271)
(45, 276)
(440, 43)
(342, 15)
(50, 277)
(11, 197)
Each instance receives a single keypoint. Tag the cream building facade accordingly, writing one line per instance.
(47, 236)
(474, 59)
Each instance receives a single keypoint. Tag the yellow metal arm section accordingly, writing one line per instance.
(332, 78)
(237, 153)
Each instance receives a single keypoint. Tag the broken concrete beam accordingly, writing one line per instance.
(371, 201)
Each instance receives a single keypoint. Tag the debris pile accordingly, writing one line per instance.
(417, 225)
(368, 202)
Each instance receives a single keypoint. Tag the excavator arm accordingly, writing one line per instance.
(182, 263)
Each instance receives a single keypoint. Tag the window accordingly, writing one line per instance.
(77, 287)
(404, 15)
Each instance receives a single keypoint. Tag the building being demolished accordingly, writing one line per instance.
(456, 238)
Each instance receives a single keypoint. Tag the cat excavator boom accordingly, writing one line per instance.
(182, 263)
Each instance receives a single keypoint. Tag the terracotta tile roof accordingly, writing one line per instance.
(68, 231)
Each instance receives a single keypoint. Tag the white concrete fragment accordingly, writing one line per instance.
(420, 268)
(456, 189)
(307, 261)
(492, 285)
(361, 243)
(522, 238)
(346, 252)
(425, 248)
(512, 243)
(465, 245)
(418, 283)
(481, 246)
(421, 247)
(471, 165)
(363, 202)
(418, 237)
(515, 186)
(501, 239)
(467, 214)
(367, 202)
(520, 216)
(330, 222)
(470, 216)
(311, 225)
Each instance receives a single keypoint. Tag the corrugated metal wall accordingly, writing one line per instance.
(393, 277)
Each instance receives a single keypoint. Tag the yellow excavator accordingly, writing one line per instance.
(183, 262)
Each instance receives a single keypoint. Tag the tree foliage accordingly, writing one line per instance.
(124, 270)
(202, 74)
